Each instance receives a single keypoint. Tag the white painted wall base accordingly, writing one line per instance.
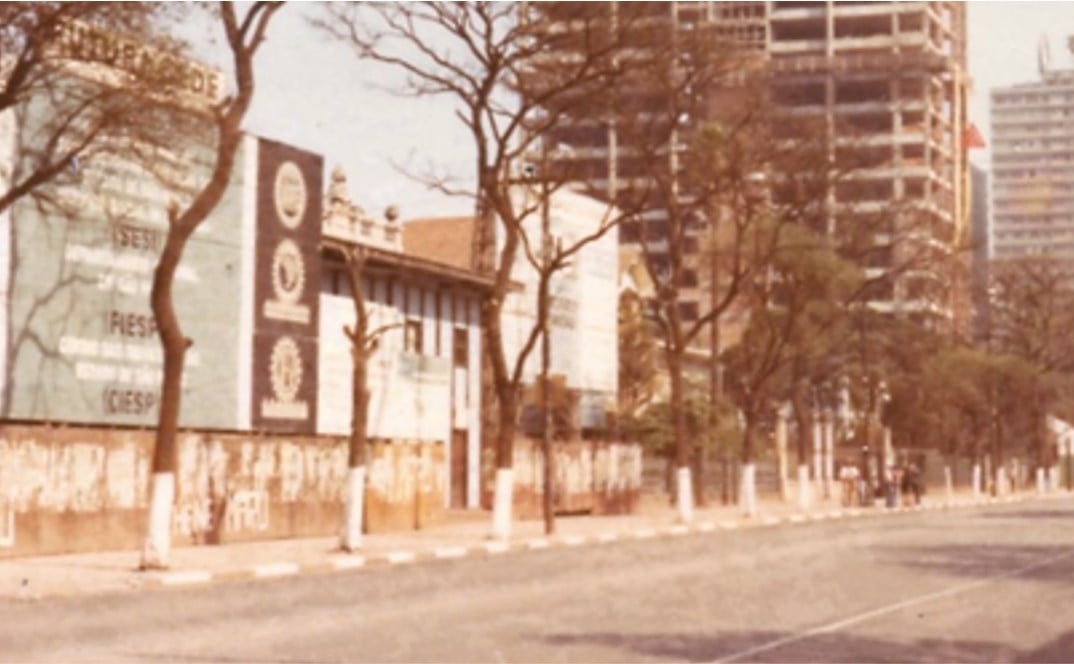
(975, 480)
(805, 497)
(684, 495)
(353, 510)
(502, 498)
(948, 482)
(158, 529)
(748, 490)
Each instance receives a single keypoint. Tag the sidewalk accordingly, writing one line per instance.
(462, 536)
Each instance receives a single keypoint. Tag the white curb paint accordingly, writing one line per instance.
(797, 518)
(275, 569)
(573, 540)
(535, 544)
(349, 562)
(644, 533)
(496, 547)
(401, 557)
(183, 578)
(728, 525)
(678, 530)
(707, 526)
(607, 537)
(449, 552)
(769, 520)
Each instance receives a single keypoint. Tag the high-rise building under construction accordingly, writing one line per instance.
(886, 84)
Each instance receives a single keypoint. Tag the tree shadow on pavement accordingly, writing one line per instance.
(982, 561)
(692, 647)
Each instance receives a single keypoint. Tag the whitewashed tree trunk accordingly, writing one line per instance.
(501, 504)
(948, 481)
(684, 495)
(1041, 486)
(748, 491)
(804, 487)
(975, 480)
(158, 533)
(353, 510)
(1001, 481)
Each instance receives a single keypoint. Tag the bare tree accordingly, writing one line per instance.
(488, 58)
(244, 35)
(69, 78)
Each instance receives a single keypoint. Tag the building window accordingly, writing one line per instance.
(412, 336)
(688, 311)
(460, 346)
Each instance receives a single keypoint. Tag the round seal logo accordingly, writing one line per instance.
(289, 192)
(285, 369)
(288, 272)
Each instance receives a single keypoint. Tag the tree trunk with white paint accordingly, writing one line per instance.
(684, 495)
(948, 481)
(748, 492)
(501, 504)
(805, 498)
(975, 480)
(354, 510)
(158, 531)
(244, 35)
(1041, 484)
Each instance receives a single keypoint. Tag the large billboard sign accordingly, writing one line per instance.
(81, 340)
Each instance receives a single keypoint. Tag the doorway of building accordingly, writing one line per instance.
(458, 468)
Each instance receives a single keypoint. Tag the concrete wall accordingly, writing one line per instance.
(598, 478)
(66, 489)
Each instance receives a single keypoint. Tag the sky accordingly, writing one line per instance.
(313, 92)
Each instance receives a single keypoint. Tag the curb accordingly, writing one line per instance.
(339, 562)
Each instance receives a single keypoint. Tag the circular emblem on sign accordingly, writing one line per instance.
(285, 369)
(288, 272)
(289, 192)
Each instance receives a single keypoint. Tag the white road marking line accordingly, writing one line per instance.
(449, 552)
(400, 557)
(348, 562)
(890, 608)
(275, 569)
(182, 578)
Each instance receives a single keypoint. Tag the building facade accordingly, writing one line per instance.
(885, 81)
(1033, 165)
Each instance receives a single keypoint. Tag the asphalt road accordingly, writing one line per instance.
(982, 585)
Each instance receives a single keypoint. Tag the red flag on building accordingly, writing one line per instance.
(971, 138)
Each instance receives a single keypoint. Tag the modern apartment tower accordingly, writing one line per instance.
(886, 82)
(1033, 165)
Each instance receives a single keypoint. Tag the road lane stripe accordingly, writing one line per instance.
(890, 608)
